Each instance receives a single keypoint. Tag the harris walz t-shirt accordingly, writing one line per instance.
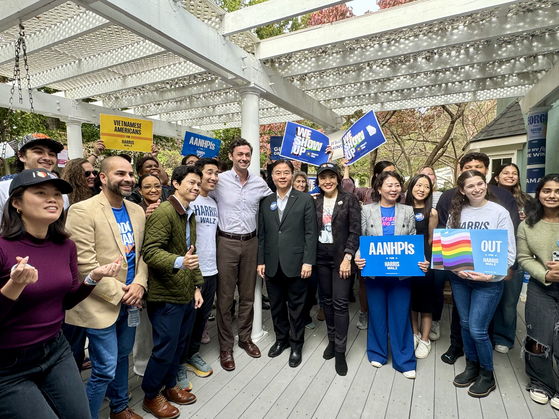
(388, 216)
(127, 237)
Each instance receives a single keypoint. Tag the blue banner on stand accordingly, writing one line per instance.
(363, 137)
(304, 144)
(392, 255)
(483, 251)
(275, 146)
(200, 145)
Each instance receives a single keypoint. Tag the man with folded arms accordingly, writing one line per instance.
(238, 194)
(287, 238)
(175, 283)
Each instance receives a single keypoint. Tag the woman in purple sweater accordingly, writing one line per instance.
(38, 281)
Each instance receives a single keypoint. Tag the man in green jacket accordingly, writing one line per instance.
(174, 291)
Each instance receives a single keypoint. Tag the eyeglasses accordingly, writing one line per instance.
(91, 172)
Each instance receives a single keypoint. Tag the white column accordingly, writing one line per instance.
(250, 131)
(75, 144)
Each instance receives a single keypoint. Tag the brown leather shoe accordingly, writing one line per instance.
(179, 396)
(250, 348)
(227, 361)
(125, 414)
(160, 407)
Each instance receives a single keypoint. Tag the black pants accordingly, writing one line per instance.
(287, 302)
(310, 301)
(201, 317)
(75, 335)
(335, 296)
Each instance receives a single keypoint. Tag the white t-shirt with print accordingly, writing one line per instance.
(205, 210)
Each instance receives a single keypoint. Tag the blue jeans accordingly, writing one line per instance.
(109, 349)
(41, 382)
(389, 309)
(476, 303)
(172, 324)
(504, 331)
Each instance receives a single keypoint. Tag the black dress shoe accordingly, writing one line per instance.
(265, 298)
(277, 349)
(265, 306)
(295, 358)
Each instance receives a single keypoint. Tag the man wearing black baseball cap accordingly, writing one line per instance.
(35, 151)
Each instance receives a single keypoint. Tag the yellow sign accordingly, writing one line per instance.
(122, 133)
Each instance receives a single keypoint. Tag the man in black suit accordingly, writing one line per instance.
(287, 237)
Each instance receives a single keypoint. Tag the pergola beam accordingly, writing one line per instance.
(384, 21)
(544, 93)
(68, 109)
(473, 33)
(272, 11)
(13, 12)
(158, 21)
(65, 31)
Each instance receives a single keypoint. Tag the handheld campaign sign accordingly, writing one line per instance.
(275, 146)
(483, 251)
(304, 144)
(392, 255)
(200, 145)
(337, 144)
(363, 137)
(122, 133)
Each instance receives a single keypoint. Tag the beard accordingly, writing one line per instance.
(115, 188)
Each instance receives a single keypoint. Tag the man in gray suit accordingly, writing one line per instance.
(287, 237)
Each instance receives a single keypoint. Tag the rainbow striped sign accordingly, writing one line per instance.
(483, 251)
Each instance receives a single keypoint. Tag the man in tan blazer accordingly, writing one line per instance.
(105, 227)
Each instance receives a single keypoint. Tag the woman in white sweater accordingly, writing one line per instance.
(538, 253)
(476, 294)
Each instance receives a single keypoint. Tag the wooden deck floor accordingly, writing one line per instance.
(268, 388)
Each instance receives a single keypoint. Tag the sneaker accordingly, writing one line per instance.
(198, 366)
(211, 318)
(205, 335)
(409, 374)
(554, 402)
(502, 349)
(453, 353)
(182, 378)
(539, 396)
(435, 333)
(310, 325)
(376, 364)
(363, 322)
(320, 315)
(423, 349)
(416, 339)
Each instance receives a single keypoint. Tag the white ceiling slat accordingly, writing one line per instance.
(13, 12)
(77, 26)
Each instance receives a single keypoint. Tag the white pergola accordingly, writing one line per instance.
(189, 65)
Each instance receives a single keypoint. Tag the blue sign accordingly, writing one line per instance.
(533, 177)
(536, 152)
(483, 251)
(275, 146)
(200, 145)
(363, 137)
(304, 144)
(392, 255)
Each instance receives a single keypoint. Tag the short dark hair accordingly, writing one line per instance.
(125, 157)
(181, 172)
(239, 142)
(282, 161)
(482, 157)
(185, 158)
(143, 177)
(380, 180)
(201, 163)
(140, 164)
(12, 227)
(379, 168)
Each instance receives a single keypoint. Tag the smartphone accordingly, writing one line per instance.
(555, 256)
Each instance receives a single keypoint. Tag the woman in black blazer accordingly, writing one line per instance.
(338, 217)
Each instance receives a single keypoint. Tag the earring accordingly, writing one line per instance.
(18, 211)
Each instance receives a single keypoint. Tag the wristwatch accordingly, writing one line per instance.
(348, 257)
(198, 287)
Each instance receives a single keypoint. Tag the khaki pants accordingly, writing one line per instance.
(236, 264)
